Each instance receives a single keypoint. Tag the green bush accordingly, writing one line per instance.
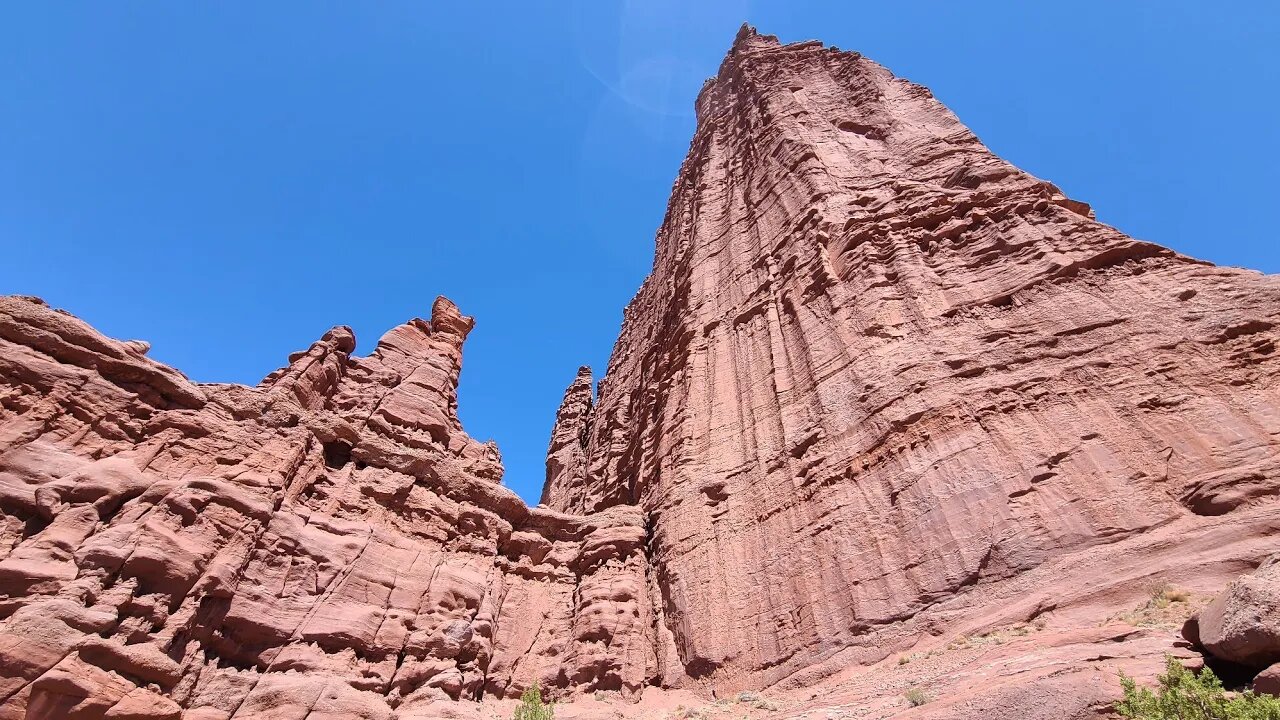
(1184, 695)
(532, 707)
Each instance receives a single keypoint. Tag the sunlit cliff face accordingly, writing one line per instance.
(882, 390)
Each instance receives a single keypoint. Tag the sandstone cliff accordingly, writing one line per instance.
(882, 393)
(878, 375)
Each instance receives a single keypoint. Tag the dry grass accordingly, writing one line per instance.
(916, 697)
(756, 701)
(739, 707)
(999, 636)
(1166, 606)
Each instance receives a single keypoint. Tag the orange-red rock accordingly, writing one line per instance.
(330, 541)
(889, 413)
(1242, 624)
(879, 378)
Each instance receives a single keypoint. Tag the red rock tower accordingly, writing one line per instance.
(879, 376)
(882, 390)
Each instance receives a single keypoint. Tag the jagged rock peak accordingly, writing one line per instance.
(447, 318)
(747, 44)
(882, 393)
(748, 37)
(342, 338)
(566, 458)
(328, 542)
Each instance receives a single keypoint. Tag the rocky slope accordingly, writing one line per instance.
(888, 413)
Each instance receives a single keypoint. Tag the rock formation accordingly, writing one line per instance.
(566, 455)
(329, 542)
(878, 374)
(881, 391)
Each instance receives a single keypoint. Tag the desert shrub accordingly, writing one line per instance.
(756, 701)
(1184, 695)
(1164, 606)
(1162, 595)
(532, 707)
(916, 697)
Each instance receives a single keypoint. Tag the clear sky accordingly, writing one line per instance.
(229, 179)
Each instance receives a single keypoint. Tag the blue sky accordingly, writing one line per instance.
(228, 180)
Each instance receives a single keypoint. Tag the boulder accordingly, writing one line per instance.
(1242, 624)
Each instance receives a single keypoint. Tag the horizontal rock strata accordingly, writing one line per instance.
(330, 541)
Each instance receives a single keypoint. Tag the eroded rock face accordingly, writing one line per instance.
(883, 392)
(566, 455)
(877, 372)
(330, 541)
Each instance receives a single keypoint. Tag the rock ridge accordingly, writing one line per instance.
(329, 541)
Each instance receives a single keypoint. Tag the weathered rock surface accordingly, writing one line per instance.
(1242, 624)
(888, 413)
(1268, 681)
(330, 542)
(878, 375)
(566, 455)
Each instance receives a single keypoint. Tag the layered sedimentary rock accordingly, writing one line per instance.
(878, 374)
(882, 392)
(330, 542)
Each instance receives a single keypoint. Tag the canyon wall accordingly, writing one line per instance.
(881, 386)
(876, 366)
